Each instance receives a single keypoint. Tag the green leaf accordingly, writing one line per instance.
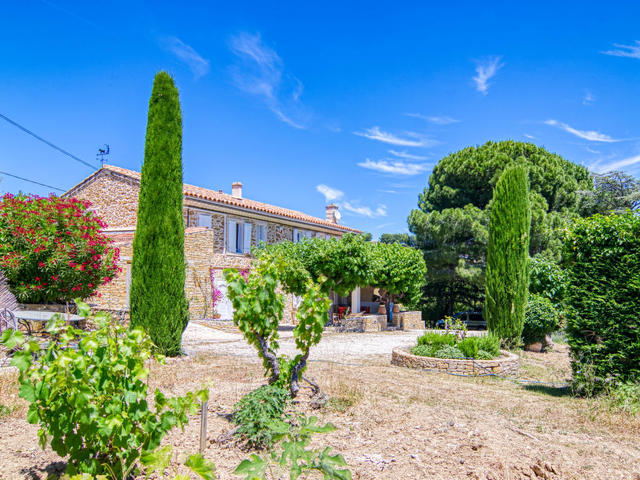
(200, 465)
(83, 309)
(158, 460)
(21, 360)
(12, 338)
(252, 468)
(28, 392)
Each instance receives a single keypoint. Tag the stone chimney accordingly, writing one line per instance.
(236, 189)
(332, 213)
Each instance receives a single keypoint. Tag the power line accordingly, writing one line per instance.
(46, 141)
(31, 181)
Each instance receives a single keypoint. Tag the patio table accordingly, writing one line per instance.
(29, 317)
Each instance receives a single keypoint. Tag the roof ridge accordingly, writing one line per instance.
(195, 191)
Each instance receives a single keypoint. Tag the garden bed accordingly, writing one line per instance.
(506, 364)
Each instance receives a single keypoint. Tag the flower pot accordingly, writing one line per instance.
(216, 316)
(396, 308)
(382, 310)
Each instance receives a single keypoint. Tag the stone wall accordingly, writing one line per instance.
(506, 364)
(410, 320)
(364, 323)
(113, 197)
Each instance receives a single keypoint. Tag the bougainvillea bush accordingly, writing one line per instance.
(52, 249)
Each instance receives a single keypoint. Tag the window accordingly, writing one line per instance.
(238, 237)
(204, 220)
(299, 235)
(261, 233)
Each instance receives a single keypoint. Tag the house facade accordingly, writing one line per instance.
(220, 231)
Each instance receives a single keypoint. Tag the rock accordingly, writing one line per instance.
(534, 347)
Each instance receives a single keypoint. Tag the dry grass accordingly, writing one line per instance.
(398, 423)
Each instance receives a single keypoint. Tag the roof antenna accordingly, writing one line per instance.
(102, 152)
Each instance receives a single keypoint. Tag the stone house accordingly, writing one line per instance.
(220, 231)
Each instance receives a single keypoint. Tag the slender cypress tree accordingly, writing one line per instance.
(507, 275)
(157, 297)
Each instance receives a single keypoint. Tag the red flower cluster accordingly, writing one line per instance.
(55, 239)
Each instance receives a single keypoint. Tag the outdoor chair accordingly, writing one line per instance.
(7, 320)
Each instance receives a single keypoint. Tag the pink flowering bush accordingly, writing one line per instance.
(216, 294)
(52, 249)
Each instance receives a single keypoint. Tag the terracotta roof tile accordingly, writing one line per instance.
(226, 199)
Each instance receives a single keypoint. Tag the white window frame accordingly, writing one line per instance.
(261, 227)
(238, 237)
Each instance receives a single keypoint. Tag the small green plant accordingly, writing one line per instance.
(5, 410)
(436, 344)
(261, 415)
(625, 397)
(424, 350)
(456, 326)
(490, 344)
(88, 392)
(469, 347)
(295, 457)
(437, 339)
(483, 355)
(159, 462)
(449, 352)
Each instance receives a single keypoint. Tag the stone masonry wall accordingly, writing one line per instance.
(411, 320)
(507, 364)
(114, 198)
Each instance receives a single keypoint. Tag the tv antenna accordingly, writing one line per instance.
(102, 152)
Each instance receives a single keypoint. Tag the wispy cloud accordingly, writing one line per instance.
(437, 120)
(198, 65)
(591, 150)
(485, 71)
(260, 71)
(629, 51)
(385, 225)
(379, 211)
(588, 98)
(590, 135)
(394, 168)
(408, 156)
(531, 137)
(330, 194)
(411, 139)
(617, 165)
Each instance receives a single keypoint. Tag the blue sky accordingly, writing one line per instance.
(304, 103)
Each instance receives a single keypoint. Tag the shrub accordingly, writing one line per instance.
(260, 415)
(625, 397)
(158, 302)
(602, 258)
(507, 273)
(468, 346)
(424, 350)
(437, 339)
(547, 278)
(449, 352)
(484, 355)
(88, 392)
(295, 458)
(52, 249)
(541, 319)
(490, 344)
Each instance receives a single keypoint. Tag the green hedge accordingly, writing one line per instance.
(602, 258)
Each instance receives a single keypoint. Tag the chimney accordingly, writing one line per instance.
(236, 189)
(332, 213)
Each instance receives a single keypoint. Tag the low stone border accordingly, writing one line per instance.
(506, 364)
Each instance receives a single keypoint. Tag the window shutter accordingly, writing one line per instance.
(295, 235)
(247, 238)
(231, 236)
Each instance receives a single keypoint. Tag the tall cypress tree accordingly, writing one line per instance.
(507, 274)
(157, 297)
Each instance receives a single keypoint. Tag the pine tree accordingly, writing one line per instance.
(507, 274)
(157, 297)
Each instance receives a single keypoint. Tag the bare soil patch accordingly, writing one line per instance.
(393, 422)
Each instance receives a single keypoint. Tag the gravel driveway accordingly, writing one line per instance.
(333, 346)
